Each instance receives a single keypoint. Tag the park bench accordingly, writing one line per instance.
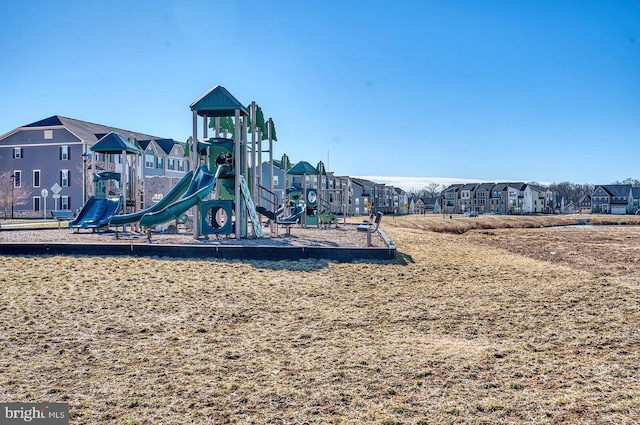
(371, 226)
(60, 216)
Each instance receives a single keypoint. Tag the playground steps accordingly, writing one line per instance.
(265, 212)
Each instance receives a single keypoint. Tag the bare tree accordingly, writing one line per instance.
(433, 189)
(10, 195)
(628, 180)
(571, 191)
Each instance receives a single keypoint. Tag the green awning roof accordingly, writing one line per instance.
(303, 168)
(114, 143)
(218, 102)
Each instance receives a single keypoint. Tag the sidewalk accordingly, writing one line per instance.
(18, 224)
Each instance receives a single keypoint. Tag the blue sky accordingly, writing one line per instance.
(475, 90)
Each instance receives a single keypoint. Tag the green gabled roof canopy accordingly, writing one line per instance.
(303, 168)
(114, 143)
(218, 102)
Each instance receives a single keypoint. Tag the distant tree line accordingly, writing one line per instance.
(570, 191)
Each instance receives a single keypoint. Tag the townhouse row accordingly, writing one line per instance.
(525, 198)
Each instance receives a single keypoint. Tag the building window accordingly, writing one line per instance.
(64, 202)
(17, 178)
(36, 178)
(159, 163)
(48, 134)
(17, 153)
(275, 180)
(64, 153)
(64, 178)
(148, 161)
(36, 203)
(171, 164)
(180, 165)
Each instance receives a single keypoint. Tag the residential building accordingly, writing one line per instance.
(400, 201)
(498, 203)
(428, 205)
(584, 204)
(361, 196)
(635, 193)
(612, 199)
(514, 197)
(467, 193)
(451, 196)
(535, 200)
(482, 200)
(55, 151)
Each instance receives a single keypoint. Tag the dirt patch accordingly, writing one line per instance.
(610, 252)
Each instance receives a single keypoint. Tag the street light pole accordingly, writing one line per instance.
(84, 177)
(13, 184)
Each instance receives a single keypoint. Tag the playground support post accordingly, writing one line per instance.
(253, 111)
(272, 222)
(193, 166)
(238, 166)
(245, 161)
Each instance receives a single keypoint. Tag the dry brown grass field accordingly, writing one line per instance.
(476, 324)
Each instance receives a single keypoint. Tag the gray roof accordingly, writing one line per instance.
(500, 186)
(537, 188)
(362, 182)
(429, 200)
(165, 144)
(617, 190)
(518, 185)
(485, 186)
(453, 187)
(87, 131)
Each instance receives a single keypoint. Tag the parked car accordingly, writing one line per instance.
(471, 214)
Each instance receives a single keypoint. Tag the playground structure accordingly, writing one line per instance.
(224, 189)
(308, 195)
(225, 169)
(113, 191)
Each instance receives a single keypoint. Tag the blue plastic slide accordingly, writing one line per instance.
(296, 213)
(96, 213)
(174, 194)
(199, 187)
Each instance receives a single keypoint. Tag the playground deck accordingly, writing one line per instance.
(343, 243)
